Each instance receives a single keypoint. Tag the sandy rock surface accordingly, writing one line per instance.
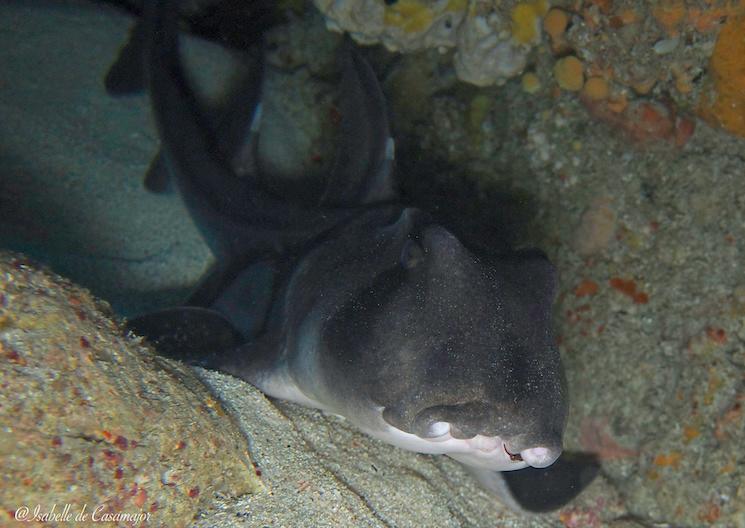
(92, 419)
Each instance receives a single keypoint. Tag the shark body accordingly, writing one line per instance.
(374, 312)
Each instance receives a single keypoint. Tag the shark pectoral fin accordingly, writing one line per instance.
(211, 284)
(257, 362)
(246, 300)
(362, 171)
(241, 289)
(540, 490)
(204, 338)
(126, 76)
(186, 333)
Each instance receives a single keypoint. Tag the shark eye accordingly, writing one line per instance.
(412, 254)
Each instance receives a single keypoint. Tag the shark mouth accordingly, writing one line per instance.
(486, 452)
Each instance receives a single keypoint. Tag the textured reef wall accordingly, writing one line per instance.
(92, 418)
(492, 39)
(639, 65)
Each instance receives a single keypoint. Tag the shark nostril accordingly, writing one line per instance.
(540, 457)
(438, 429)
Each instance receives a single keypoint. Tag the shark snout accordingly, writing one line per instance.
(483, 428)
(540, 457)
(538, 449)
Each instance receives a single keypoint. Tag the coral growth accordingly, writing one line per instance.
(492, 40)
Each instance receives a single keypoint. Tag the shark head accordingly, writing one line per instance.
(455, 351)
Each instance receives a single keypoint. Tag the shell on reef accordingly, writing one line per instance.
(596, 228)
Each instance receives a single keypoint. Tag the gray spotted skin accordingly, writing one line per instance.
(395, 319)
(376, 312)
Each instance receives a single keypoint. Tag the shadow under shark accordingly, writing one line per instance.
(370, 309)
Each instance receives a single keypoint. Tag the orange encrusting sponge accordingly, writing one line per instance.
(723, 103)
